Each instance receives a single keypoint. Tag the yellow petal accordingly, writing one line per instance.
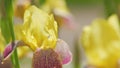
(20, 7)
(39, 29)
(57, 5)
(22, 51)
(18, 30)
(114, 22)
(100, 41)
(86, 37)
(103, 32)
(2, 42)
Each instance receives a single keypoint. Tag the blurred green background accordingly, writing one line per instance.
(81, 2)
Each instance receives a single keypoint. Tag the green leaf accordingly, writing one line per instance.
(5, 30)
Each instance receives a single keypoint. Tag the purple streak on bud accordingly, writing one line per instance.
(7, 51)
(63, 50)
(10, 48)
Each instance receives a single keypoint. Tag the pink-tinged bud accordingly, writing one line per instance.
(63, 50)
(46, 59)
(8, 50)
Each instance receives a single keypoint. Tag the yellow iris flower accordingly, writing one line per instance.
(34, 37)
(39, 29)
(101, 42)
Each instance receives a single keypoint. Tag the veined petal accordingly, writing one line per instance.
(46, 58)
(39, 29)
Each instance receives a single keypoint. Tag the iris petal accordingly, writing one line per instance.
(39, 29)
(63, 50)
(46, 58)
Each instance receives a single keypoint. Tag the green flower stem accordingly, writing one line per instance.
(14, 55)
(111, 7)
(35, 2)
(76, 54)
(8, 13)
(117, 3)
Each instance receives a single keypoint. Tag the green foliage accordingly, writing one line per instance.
(41, 2)
(5, 30)
(111, 7)
(84, 2)
(7, 26)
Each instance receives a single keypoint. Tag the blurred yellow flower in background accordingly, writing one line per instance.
(60, 11)
(56, 6)
(20, 7)
(101, 42)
